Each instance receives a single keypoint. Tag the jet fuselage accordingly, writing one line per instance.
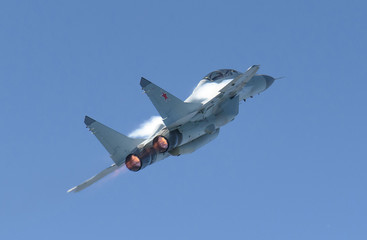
(204, 126)
(188, 125)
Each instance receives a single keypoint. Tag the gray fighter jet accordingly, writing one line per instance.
(188, 125)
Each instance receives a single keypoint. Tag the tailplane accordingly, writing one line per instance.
(94, 179)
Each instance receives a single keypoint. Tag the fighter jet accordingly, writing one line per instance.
(188, 125)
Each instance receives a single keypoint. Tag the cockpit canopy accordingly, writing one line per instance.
(222, 74)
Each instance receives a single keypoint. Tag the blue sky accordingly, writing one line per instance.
(291, 166)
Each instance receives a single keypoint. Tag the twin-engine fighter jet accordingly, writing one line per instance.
(188, 125)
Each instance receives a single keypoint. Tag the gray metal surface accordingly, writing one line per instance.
(189, 124)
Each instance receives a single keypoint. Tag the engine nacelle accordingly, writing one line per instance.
(170, 142)
(142, 157)
(167, 141)
(195, 144)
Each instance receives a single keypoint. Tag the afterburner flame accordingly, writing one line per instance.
(133, 163)
(118, 171)
(160, 144)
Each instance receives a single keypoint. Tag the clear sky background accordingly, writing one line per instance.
(291, 166)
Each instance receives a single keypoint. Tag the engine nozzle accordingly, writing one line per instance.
(160, 144)
(133, 163)
(141, 157)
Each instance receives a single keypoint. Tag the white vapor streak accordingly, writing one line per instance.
(206, 91)
(148, 128)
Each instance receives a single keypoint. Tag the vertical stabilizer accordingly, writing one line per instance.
(117, 144)
(172, 110)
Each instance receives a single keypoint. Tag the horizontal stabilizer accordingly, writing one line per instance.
(94, 179)
(172, 110)
(117, 144)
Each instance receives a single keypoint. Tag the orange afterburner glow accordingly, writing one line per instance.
(160, 144)
(133, 163)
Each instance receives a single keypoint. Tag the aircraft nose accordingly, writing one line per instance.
(269, 80)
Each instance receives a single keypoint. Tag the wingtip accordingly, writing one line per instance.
(255, 66)
(71, 190)
(144, 82)
(88, 120)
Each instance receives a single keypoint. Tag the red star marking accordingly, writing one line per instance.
(165, 96)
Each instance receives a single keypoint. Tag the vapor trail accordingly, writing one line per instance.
(148, 128)
(206, 91)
